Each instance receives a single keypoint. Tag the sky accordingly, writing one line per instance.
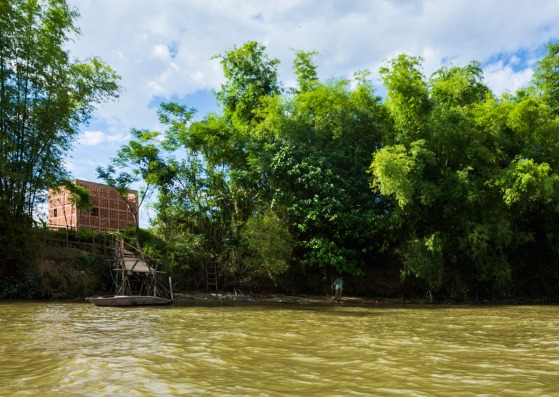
(164, 50)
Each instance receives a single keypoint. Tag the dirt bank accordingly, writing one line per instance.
(210, 299)
(217, 299)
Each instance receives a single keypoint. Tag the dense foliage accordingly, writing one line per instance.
(474, 178)
(456, 185)
(277, 181)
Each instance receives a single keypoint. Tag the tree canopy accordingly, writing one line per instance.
(474, 177)
(441, 181)
(456, 186)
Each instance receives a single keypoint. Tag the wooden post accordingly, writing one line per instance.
(171, 288)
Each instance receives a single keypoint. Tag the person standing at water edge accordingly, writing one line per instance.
(338, 286)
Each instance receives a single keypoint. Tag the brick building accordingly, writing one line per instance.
(110, 211)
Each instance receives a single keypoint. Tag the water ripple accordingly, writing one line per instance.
(81, 350)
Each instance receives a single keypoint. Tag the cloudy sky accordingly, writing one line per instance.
(163, 49)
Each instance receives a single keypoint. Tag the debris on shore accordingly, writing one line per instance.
(212, 298)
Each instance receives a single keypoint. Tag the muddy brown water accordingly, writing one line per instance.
(77, 349)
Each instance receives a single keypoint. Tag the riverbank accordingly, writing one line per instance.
(220, 298)
(68, 273)
(208, 298)
(72, 274)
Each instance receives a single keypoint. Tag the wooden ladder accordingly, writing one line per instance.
(211, 276)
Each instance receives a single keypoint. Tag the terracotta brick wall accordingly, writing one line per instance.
(110, 211)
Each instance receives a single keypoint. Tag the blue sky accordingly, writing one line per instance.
(163, 49)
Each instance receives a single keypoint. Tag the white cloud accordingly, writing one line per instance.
(94, 138)
(69, 165)
(349, 35)
(162, 52)
(502, 78)
(165, 48)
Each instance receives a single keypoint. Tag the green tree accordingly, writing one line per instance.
(305, 70)
(528, 183)
(474, 178)
(139, 161)
(270, 244)
(45, 96)
(301, 156)
(408, 97)
(250, 76)
(455, 229)
(545, 81)
(317, 144)
(199, 208)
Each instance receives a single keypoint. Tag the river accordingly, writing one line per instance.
(77, 349)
